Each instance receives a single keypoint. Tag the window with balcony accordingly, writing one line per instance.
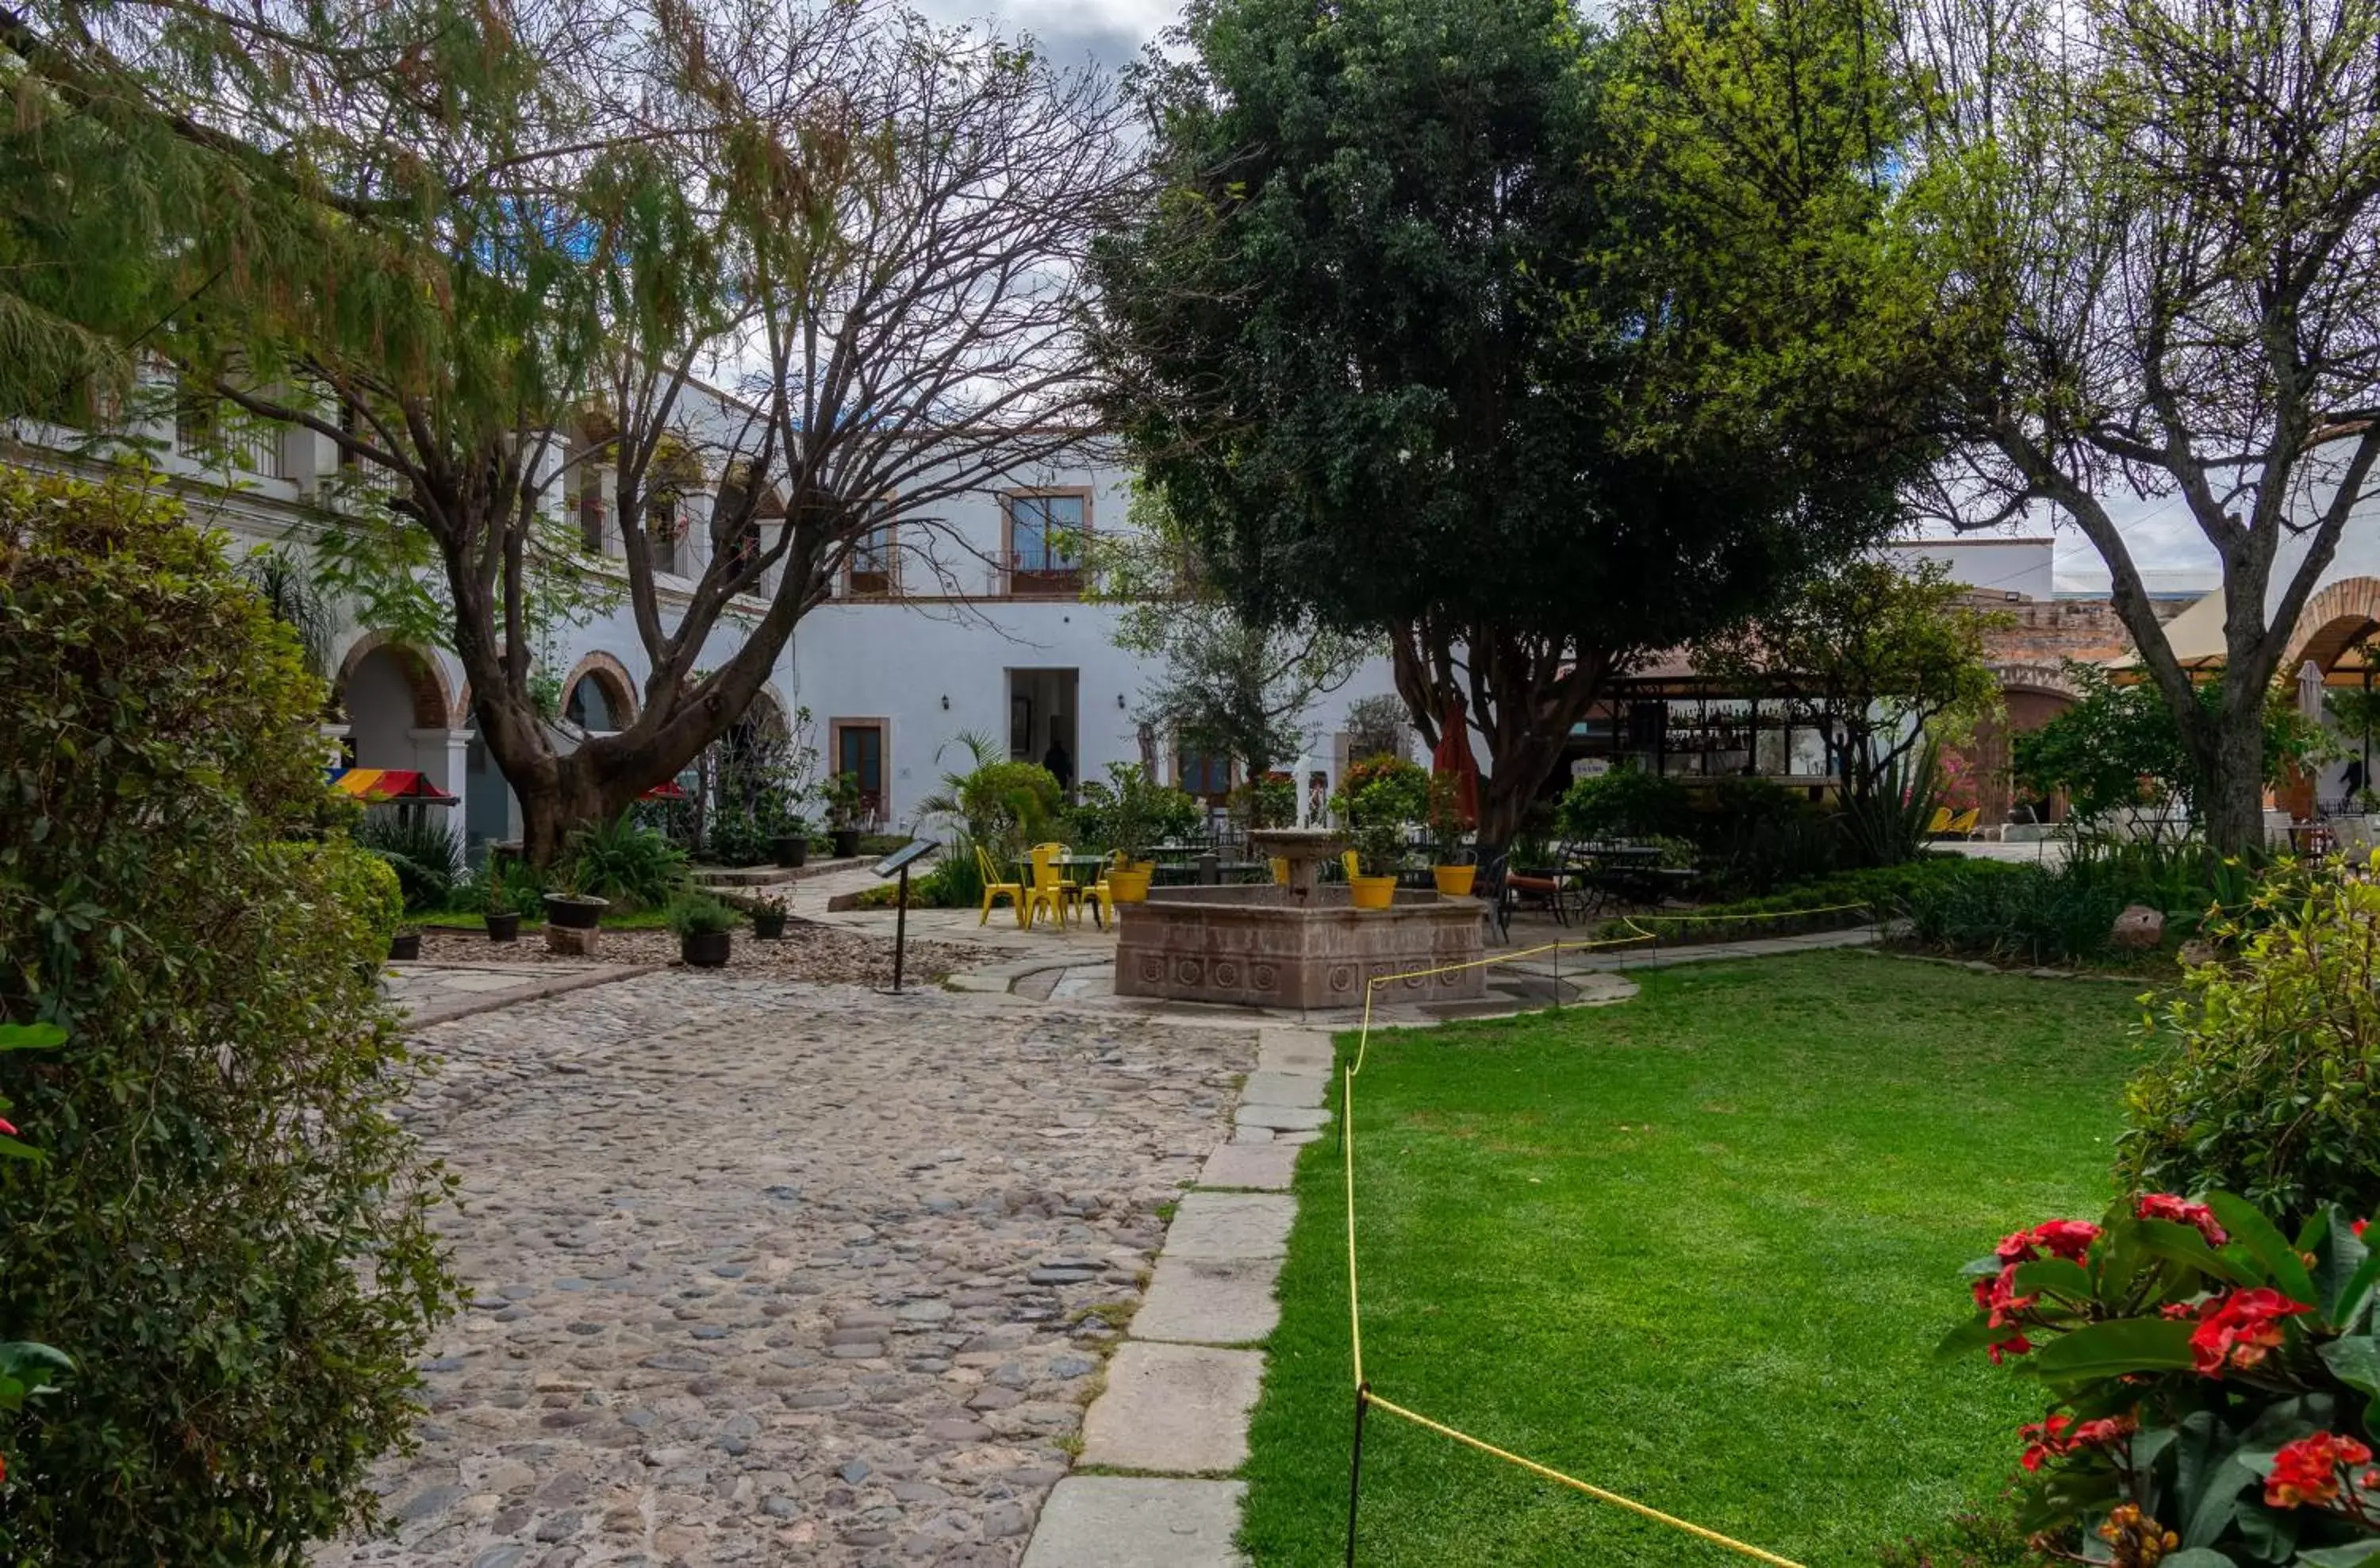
(1047, 529)
(872, 570)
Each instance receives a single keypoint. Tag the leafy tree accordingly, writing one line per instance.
(229, 1230)
(1878, 656)
(2164, 217)
(1527, 348)
(2118, 746)
(877, 223)
(1224, 685)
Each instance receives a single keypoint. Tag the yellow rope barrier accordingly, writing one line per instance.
(1598, 1493)
(1364, 1394)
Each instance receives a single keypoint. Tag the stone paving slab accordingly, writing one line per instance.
(1230, 1227)
(1282, 1118)
(1291, 1090)
(1304, 1051)
(1193, 1301)
(1266, 1166)
(1177, 1408)
(1138, 1521)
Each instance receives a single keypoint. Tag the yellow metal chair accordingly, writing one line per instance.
(1280, 870)
(1940, 824)
(1350, 863)
(1100, 896)
(1050, 887)
(1963, 824)
(994, 888)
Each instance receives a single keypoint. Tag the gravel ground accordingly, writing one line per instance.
(824, 955)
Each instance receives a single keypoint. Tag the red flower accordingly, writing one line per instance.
(2043, 1439)
(2181, 1211)
(2238, 1328)
(2015, 1247)
(2058, 1435)
(1997, 1297)
(2070, 1239)
(2308, 1470)
(2176, 1309)
(2359, 1228)
(2103, 1432)
(2015, 1345)
(8, 1126)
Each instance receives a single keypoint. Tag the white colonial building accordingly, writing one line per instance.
(975, 618)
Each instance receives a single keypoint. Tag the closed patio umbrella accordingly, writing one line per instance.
(1453, 756)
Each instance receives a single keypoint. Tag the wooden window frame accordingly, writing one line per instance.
(1044, 584)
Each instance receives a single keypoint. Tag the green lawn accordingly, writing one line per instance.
(1695, 1247)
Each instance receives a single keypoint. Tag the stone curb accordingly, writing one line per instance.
(536, 990)
(1181, 1388)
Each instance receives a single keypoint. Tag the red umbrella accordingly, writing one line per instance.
(1453, 756)
(668, 789)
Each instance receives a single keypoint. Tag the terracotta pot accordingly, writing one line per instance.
(405, 945)
(769, 925)
(504, 926)
(575, 914)
(706, 949)
(846, 843)
(1454, 881)
(1371, 893)
(1129, 886)
(790, 850)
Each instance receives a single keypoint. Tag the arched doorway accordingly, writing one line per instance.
(600, 696)
(2337, 634)
(2031, 695)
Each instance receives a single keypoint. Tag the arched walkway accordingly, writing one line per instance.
(2336, 618)
(385, 691)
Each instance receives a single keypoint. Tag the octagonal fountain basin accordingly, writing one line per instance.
(1267, 947)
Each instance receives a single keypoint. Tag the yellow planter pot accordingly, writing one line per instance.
(1454, 881)
(1371, 893)
(1129, 886)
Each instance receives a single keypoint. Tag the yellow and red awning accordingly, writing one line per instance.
(373, 786)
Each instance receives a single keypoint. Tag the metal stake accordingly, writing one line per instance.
(1355, 1468)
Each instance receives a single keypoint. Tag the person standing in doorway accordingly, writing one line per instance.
(1060, 766)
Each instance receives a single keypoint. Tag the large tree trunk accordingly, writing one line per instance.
(2230, 757)
(1525, 694)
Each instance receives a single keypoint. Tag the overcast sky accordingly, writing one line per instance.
(1111, 32)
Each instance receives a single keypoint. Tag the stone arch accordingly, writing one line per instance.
(2050, 679)
(611, 678)
(2339, 615)
(435, 707)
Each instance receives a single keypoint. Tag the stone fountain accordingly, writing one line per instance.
(1300, 946)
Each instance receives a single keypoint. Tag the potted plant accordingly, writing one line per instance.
(501, 909)
(843, 808)
(405, 943)
(705, 929)
(1133, 821)
(572, 910)
(768, 918)
(1448, 823)
(1376, 816)
(790, 844)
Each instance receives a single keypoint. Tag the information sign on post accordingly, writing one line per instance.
(897, 864)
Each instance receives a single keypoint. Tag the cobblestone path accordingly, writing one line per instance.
(773, 1273)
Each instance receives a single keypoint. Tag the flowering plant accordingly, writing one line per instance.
(2207, 1382)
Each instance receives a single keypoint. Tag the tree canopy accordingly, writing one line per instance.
(1880, 655)
(2160, 221)
(1528, 345)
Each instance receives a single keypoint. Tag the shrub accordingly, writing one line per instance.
(1403, 786)
(1836, 903)
(424, 855)
(2269, 1088)
(700, 913)
(635, 867)
(2202, 1374)
(1626, 803)
(2035, 915)
(230, 1235)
